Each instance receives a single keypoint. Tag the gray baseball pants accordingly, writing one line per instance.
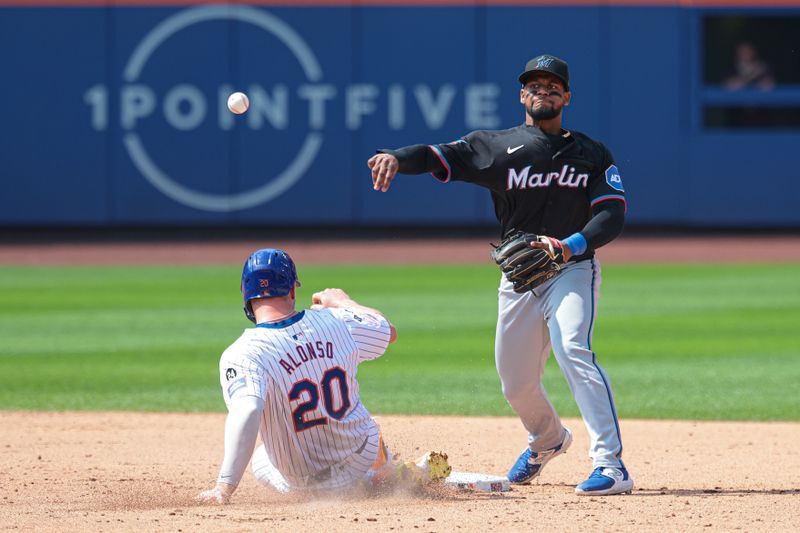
(561, 314)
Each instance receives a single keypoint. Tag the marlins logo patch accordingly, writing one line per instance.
(613, 178)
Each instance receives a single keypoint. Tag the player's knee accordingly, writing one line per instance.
(519, 392)
(573, 349)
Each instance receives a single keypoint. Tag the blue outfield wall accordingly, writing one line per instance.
(116, 115)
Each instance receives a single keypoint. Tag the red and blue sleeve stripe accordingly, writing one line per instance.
(444, 162)
(610, 197)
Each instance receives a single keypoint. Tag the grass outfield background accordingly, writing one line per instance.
(680, 341)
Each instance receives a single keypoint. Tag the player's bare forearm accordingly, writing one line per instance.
(339, 298)
(335, 298)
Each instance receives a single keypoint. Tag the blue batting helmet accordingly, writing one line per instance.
(267, 273)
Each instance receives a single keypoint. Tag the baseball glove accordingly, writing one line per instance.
(527, 266)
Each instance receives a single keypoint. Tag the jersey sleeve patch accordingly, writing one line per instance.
(367, 319)
(241, 375)
(613, 178)
(236, 385)
(371, 333)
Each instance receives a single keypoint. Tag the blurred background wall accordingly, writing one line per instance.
(113, 113)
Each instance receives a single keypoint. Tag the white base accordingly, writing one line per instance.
(475, 481)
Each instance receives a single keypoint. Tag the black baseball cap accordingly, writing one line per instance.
(547, 63)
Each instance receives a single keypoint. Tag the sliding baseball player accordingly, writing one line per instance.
(292, 378)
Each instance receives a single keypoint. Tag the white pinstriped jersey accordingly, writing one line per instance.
(314, 427)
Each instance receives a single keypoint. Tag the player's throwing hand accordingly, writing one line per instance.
(384, 167)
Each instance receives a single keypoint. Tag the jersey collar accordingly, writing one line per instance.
(572, 147)
(283, 323)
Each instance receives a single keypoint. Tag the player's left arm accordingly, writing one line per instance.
(605, 225)
(607, 198)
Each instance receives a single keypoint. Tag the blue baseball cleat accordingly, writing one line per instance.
(606, 480)
(530, 463)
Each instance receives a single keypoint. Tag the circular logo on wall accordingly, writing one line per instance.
(274, 185)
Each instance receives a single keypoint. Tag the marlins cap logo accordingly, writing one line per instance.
(544, 62)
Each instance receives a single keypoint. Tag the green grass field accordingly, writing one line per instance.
(686, 342)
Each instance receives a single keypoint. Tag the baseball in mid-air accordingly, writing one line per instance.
(238, 103)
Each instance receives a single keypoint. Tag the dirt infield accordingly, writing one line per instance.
(140, 472)
(752, 249)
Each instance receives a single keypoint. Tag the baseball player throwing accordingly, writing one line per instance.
(559, 193)
(293, 379)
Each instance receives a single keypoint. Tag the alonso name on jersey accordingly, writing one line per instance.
(305, 353)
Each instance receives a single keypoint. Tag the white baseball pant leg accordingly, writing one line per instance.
(266, 473)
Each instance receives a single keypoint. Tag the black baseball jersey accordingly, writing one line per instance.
(540, 183)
